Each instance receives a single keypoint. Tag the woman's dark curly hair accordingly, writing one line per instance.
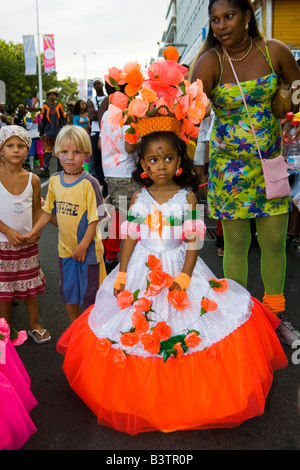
(187, 179)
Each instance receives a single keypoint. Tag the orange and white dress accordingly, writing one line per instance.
(151, 360)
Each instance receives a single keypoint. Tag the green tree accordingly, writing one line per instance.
(20, 87)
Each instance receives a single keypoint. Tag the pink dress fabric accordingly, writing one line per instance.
(16, 402)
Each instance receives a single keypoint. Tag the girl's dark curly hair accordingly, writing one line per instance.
(187, 179)
(76, 110)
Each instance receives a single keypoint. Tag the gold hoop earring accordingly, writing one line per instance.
(247, 26)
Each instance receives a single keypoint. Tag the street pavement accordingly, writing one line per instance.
(64, 422)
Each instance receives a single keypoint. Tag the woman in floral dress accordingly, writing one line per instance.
(236, 188)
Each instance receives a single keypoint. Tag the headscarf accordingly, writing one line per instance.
(14, 131)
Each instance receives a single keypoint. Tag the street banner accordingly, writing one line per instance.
(29, 54)
(90, 89)
(49, 53)
(81, 93)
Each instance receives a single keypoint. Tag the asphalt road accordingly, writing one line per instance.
(64, 422)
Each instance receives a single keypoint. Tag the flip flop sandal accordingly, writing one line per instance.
(42, 334)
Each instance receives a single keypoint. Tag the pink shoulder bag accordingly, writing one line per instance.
(274, 169)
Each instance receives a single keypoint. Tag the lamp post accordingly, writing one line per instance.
(39, 57)
(84, 65)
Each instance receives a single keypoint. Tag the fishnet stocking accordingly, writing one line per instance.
(271, 236)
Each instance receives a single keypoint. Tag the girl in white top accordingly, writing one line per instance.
(21, 277)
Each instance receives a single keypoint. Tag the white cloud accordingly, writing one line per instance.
(118, 31)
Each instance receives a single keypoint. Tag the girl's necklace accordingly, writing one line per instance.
(72, 174)
(242, 58)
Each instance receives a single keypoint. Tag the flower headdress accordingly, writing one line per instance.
(159, 100)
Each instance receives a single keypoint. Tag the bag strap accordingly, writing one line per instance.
(237, 80)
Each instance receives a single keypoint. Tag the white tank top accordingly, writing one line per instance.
(16, 211)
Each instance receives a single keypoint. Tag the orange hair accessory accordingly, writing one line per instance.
(183, 280)
(275, 303)
(121, 279)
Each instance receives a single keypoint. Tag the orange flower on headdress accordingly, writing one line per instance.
(138, 108)
(132, 75)
(171, 53)
(119, 100)
(148, 94)
(114, 77)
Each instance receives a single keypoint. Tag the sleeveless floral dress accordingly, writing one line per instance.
(236, 188)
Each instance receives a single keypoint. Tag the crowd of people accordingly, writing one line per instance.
(157, 326)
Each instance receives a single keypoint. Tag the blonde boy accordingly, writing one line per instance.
(74, 197)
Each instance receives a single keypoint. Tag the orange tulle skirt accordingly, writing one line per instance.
(221, 386)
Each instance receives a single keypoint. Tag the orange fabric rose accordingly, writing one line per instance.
(138, 108)
(131, 138)
(152, 290)
(104, 346)
(125, 299)
(171, 53)
(114, 76)
(149, 95)
(129, 339)
(119, 358)
(208, 305)
(179, 350)
(192, 339)
(160, 278)
(119, 99)
(162, 331)
(132, 75)
(179, 299)
(153, 262)
(143, 304)
(150, 343)
(139, 322)
(210, 355)
(218, 285)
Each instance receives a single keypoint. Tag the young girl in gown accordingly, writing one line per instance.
(167, 346)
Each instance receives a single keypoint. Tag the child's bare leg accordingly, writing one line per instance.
(5, 309)
(32, 310)
(73, 311)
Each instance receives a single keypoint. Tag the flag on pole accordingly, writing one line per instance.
(49, 53)
(81, 93)
(29, 54)
(90, 89)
